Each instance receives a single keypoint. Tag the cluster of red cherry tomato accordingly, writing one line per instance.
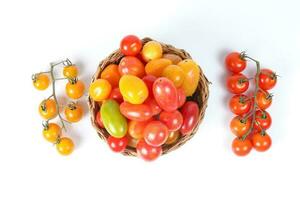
(252, 120)
(143, 98)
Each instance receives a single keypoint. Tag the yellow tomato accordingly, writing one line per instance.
(152, 50)
(175, 74)
(133, 89)
(157, 66)
(52, 132)
(41, 81)
(192, 75)
(173, 57)
(65, 146)
(75, 90)
(111, 73)
(70, 71)
(47, 109)
(99, 89)
(173, 137)
(73, 112)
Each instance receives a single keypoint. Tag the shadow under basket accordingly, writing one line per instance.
(200, 96)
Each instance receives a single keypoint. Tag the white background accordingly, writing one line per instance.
(33, 33)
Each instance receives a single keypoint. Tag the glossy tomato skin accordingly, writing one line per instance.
(100, 89)
(261, 142)
(99, 119)
(148, 152)
(237, 83)
(70, 71)
(149, 80)
(235, 63)
(111, 74)
(156, 133)
(131, 45)
(156, 67)
(192, 76)
(267, 79)
(41, 81)
(173, 120)
(65, 146)
(117, 144)
(136, 128)
(263, 120)
(165, 94)
(263, 99)
(75, 90)
(181, 97)
(155, 109)
(152, 50)
(114, 122)
(136, 112)
(241, 147)
(239, 126)
(175, 74)
(48, 109)
(52, 132)
(115, 94)
(73, 113)
(240, 104)
(190, 114)
(173, 137)
(131, 65)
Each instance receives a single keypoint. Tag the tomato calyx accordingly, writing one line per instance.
(73, 81)
(72, 105)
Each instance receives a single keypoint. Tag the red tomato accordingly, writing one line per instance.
(235, 63)
(99, 120)
(263, 120)
(173, 120)
(131, 45)
(156, 133)
(181, 97)
(239, 126)
(116, 95)
(117, 144)
(131, 65)
(267, 79)
(147, 152)
(153, 105)
(237, 83)
(165, 94)
(261, 142)
(190, 114)
(136, 112)
(135, 128)
(263, 99)
(241, 147)
(240, 104)
(149, 80)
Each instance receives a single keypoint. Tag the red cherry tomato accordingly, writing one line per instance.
(240, 126)
(190, 114)
(240, 104)
(156, 133)
(136, 112)
(267, 79)
(131, 65)
(117, 144)
(263, 99)
(149, 80)
(99, 120)
(237, 83)
(147, 152)
(235, 63)
(131, 45)
(261, 142)
(116, 95)
(241, 147)
(165, 94)
(153, 105)
(173, 120)
(181, 97)
(263, 120)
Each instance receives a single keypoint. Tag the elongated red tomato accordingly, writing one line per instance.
(147, 152)
(153, 105)
(190, 114)
(156, 133)
(181, 97)
(136, 112)
(173, 120)
(149, 80)
(165, 94)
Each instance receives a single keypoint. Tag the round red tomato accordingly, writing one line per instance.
(267, 79)
(173, 120)
(261, 142)
(237, 83)
(263, 120)
(190, 114)
(149, 80)
(240, 126)
(153, 105)
(240, 104)
(241, 147)
(147, 152)
(156, 133)
(131, 45)
(131, 65)
(117, 144)
(99, 120)
(181, 97)
(165, 94)
(116, 95)
(263, 99)
(235, 63)
(136, 112)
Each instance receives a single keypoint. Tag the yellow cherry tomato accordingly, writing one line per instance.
(75, 89)
(41, 81)
(133, 89)
(173, 137)
(47, 109)
(192, 75)
(157, 66)
(100, 89)
(65, 146)
(173, 57)
(111, 73)
(152, 50)
(70, 71)
(175, 74)
(73, 112)
(52, 132)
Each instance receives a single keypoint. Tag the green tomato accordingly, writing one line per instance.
(114, 122)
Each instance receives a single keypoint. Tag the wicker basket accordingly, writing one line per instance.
(200, 96)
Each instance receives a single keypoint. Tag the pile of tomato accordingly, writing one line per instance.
(143, 98)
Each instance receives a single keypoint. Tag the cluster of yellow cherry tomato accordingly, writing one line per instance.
(50, 108)
(143, 98)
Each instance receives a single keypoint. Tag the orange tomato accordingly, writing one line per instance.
(73, 112)
(173, 57)
(65, 146)
(240, 127)
(152, 50)
(175, 74)
(173, 137)
(131, 65)
(70, 71)
(263, 99)
(99, 89)
(75, 89)
(41, 81)
(52, 132)
(111, 74)
(135, 128)
(48, 109)
(157, 66)
(192, 75)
